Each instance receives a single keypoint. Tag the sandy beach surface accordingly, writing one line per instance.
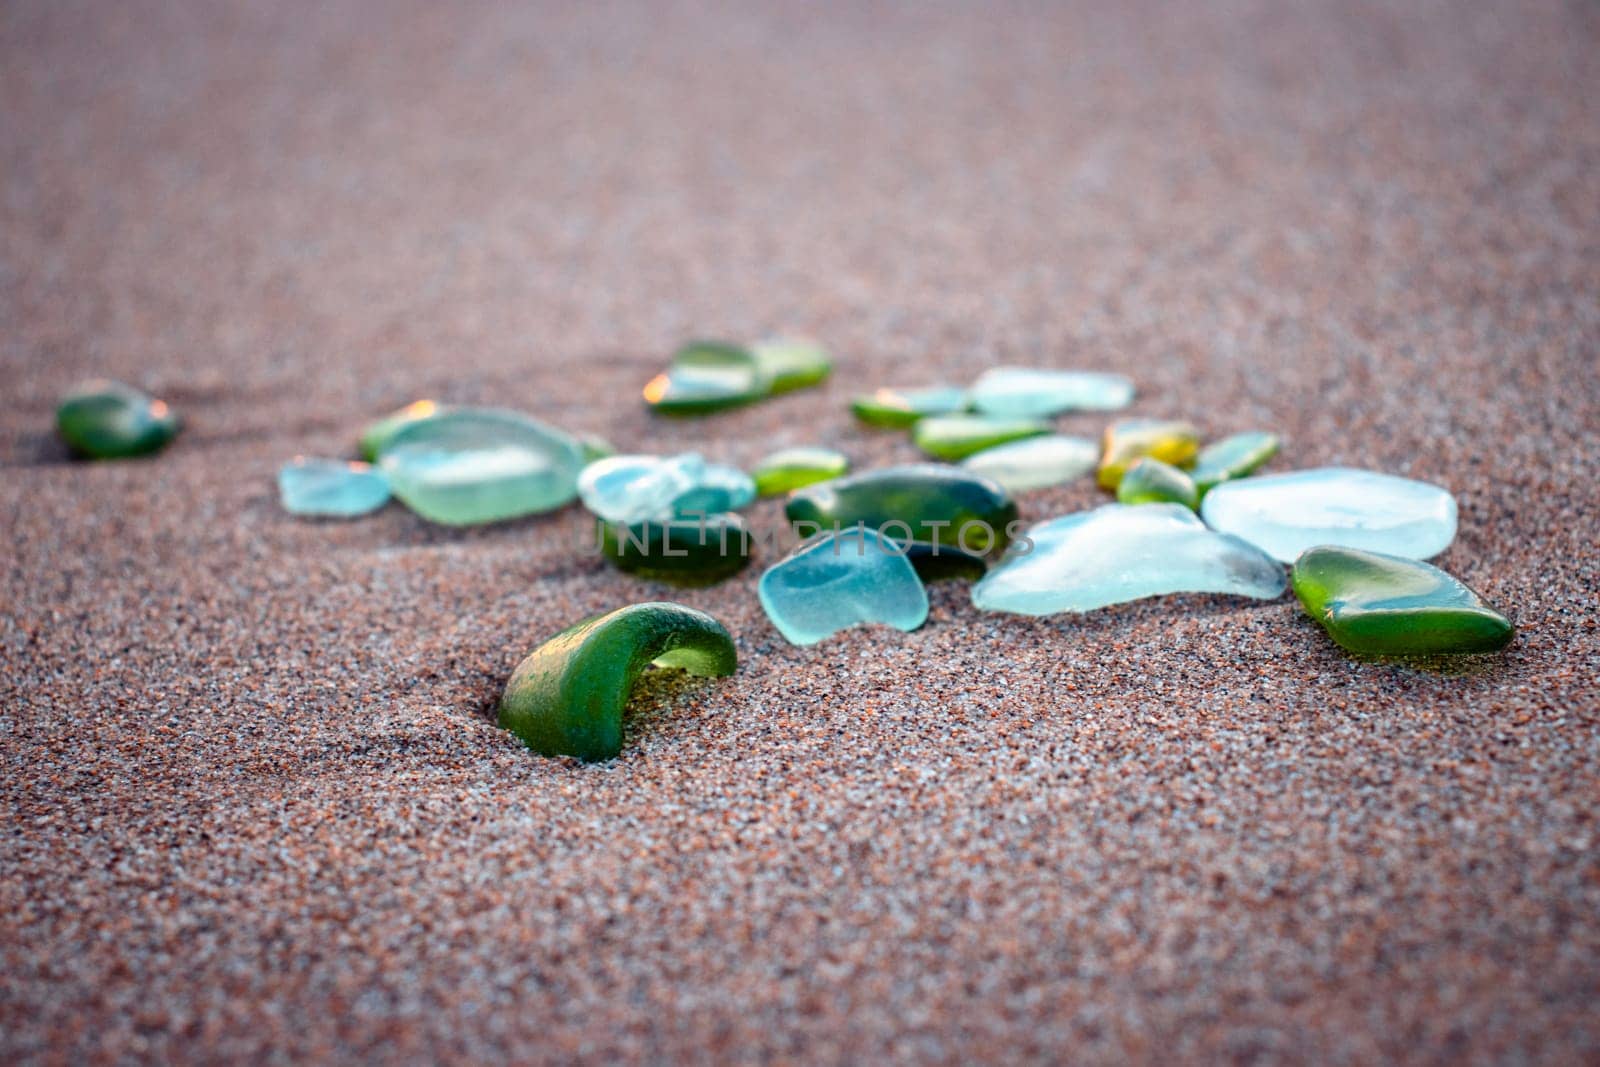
(255, 805)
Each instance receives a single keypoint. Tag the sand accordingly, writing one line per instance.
(255, 804)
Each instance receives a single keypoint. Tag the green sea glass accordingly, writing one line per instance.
(898, 408)
(378, 433)
(955, 437)
(1130, 439)
(110, 420)
(705, 377)
(793, 468)
(1377, 604)
(926, 502)
(1150, 481)
(567, 697)
(1232, 457)
(791, 363)
(684, 551)
(595, 448)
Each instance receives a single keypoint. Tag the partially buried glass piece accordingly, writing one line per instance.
(476, 465)
(109, 420)
(635, 488)
(567, 697)
(1120, 552)
(1285, 514)
(331, 488)
(1378, 604)
(899, 408)
(378, 433)
(926, 502)
(1037, 393)
(682, 551)
(1035, 462)
(841, 580)
(953, 437)
(707, 376)
(1128, 440)
(1150, 481)
(1232, 457)
(793, 468)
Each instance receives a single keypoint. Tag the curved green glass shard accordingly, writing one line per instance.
(109, 420)
(925, 502)
(1150, 481)
(1377, 604)
(477, 465)
(791, 363)
(1127, 440)
(898, 408)
(954, 437)
(707, 376)
(1232, 457)
(567, 697)
(375, 438)
(683, 551)
(794, 468)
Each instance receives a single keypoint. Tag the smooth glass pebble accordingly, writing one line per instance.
(635, 488)
(1035, 462)
(476, 465)
(1036, 393)
(794, 468)
(567, 697)
(332, 488)
(705, 377)
(791, 363)
(1120, 552)
(899, 408)
(682, 551)
(1150, 481)
(843, 580)
(1232, 457)
(110, 420)
(1128, 440)
(1379, 604)
(926, 502)
(1285, 514)
(953, 437)
(375, 438)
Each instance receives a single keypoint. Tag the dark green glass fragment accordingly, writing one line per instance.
(110, 420)
(925, 502)
(683, 550)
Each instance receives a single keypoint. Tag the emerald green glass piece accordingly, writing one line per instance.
(925, 502)
(567, 697)
(937, 563)
(476, 465)
(331, 488)
(791, 363)
(1377, 604)
(794, 468)
(842, 580)
(1233, 457)
(707, 376)
(377, 434)
(110, 420)
(1129, 439)
(1150, 481)
(695, 550)
(899, 408)
(954, 437)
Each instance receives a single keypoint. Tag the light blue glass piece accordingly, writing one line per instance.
(1122, 552)
(1036, 462)
(843, 580)
(1285, 514)
(634, 488)
(1025, 392)
(331, 487)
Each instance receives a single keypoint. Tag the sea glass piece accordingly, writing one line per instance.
(793, 468)
(1128, 440)
(1285, 514)
(595, 447)
(953, 437)
(926, 502)
(1150, 481)
(1232, 457)
(1035, 462)
(476, 465)
(635, 488)
(331, 488)
(1379, 604)
(898, 408)
(837, 581)
(375, 438)
(566, 698)
(684, 551)
(1121, 552)
(791, 363)
(705, 377)
(110, 420)
(1026, 392)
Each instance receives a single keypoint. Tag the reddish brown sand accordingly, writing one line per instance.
(254, 801)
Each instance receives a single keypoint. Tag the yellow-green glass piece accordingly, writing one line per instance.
(1233, 457)
(705, 377)
(1127, 440)
(793, 468)
(955, 437)
(896, 409)
(1150, 481)
(791, 363)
